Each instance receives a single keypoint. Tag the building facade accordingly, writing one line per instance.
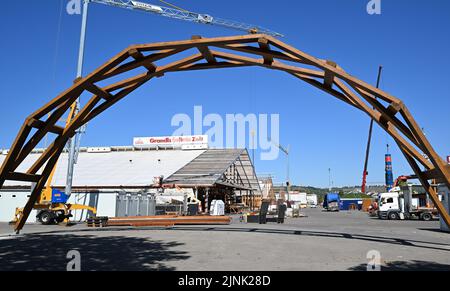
(118, 180)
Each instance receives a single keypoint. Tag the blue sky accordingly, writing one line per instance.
(410, 39)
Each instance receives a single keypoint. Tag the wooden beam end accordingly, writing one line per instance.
(134, 53)
(263, 41)
(77, 80)
(331, 63)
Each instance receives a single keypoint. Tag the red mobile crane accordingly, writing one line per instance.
(369, 141)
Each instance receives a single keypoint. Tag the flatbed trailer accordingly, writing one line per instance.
(396, 206)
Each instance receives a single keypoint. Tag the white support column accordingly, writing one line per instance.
(185, 204)
(207, 201)
(445, 194)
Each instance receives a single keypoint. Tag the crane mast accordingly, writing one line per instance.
(369, 142)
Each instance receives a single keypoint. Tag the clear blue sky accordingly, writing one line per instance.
(411, 39)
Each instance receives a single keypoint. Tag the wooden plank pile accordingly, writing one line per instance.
(168, 220)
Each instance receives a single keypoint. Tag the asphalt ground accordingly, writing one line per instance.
(321, 241)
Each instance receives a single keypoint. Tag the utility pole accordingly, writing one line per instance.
(329, 179)
(288, 172)
(287, 152)
(330, 182)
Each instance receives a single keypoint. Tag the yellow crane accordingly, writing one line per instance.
(52, 207)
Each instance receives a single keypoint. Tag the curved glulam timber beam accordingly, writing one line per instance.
(213, 53)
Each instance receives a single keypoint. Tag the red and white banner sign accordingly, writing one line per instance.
(448, 160)
(171, 141)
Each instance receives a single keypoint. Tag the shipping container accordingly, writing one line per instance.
(351, 204)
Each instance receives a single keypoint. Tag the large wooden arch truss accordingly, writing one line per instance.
(139, 64)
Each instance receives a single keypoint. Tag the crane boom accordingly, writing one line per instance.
(369, 142)
(286, 151)
(185, 15)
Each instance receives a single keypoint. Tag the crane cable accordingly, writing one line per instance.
(56, 54)
(57, 41)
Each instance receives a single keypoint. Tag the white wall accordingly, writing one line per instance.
(104, 202)
(299, 198)
(9, 201)
(445, 198)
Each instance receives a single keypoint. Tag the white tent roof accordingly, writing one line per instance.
(115, 168)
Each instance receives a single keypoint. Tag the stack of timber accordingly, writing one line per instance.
(252, 201)
(168, 220)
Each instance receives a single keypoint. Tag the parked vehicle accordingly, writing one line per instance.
(331, 202)
(299, 199)
(312, 200)
(401, 206)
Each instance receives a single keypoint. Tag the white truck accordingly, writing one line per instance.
(401, 206)
(313, 201)
(299, 199)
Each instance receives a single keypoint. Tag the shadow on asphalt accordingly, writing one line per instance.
(379, 239)
(38, 252)
(407, 266)
(436, 230)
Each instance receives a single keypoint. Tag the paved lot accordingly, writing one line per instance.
(321, 241)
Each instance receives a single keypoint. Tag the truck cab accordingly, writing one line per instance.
(389, 206)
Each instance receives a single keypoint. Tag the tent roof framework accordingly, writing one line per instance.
(138, 64)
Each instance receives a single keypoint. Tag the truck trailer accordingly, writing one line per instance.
(331, 202)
